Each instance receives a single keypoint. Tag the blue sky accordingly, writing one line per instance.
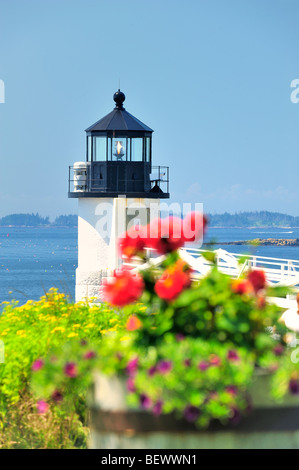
(211, 77)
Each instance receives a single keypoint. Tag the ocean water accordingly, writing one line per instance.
(34, 259)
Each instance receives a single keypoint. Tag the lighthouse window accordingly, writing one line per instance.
(99, 149)
(137, 149)
(147, 149)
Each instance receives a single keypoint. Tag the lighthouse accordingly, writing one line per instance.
(116, 187)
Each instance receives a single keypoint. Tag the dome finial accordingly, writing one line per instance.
(119, 98)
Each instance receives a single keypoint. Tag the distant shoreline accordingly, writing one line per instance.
(39, 226)
(209, 226)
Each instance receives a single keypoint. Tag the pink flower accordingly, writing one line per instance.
(70, 369)
(157, 408)
(164, 367)
(37, 365)
(42, 407)
(232, 355)
(132, 366)
(152, 370)
(131, 385)
(203, 365)
(89, 355)
(145, 401)
(215, 360)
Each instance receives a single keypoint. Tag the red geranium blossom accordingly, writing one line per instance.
(241, 286)
(194, 226)
(124, 288)
(173, 281)
(133, 242)
(133, 323)
(257, 279)
(166, 235)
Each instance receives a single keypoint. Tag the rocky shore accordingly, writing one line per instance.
(265, 242)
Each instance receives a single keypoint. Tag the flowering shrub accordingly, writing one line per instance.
(29, 332)
(191, 349)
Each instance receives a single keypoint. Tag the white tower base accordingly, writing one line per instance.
(100, 223)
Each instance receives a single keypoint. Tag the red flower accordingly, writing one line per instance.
(241, 286)
(173, 281)
(133, 242)
(257, 279)
(133, 323)
(165, 235)
(70, 369)
(124, 288)
(194, 226)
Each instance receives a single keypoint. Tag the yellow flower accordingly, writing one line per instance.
(58, 328)
(124, 338)
(71, 335)
(21, 332)
(90, 325)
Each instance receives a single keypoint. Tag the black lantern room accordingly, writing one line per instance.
(118, 159)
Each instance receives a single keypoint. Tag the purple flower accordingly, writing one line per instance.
(235, 416)
(203, 365)
(278, 350)
(132, 366)
(232, 390)
(232, 355)
(42, 407)
(180, 337)
(187, 362)
(152, 370)
(145, 401)
(89, 355)
(57, 396)
(191, 413)
(37, 365)
(164, 367)
(157, 408)
(70, 369)
(294, 387)
(131, 385)
(83, 342)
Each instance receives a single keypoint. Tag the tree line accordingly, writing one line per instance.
(253, 219)
(36, 220)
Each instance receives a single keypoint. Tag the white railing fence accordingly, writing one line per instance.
(278, 271)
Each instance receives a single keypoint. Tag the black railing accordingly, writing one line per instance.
(155, 182)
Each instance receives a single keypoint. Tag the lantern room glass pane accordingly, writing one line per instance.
(147, 149)
(137, 149)
(99, 149)
(119, 149)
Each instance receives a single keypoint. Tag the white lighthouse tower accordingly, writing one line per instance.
(116, 186)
